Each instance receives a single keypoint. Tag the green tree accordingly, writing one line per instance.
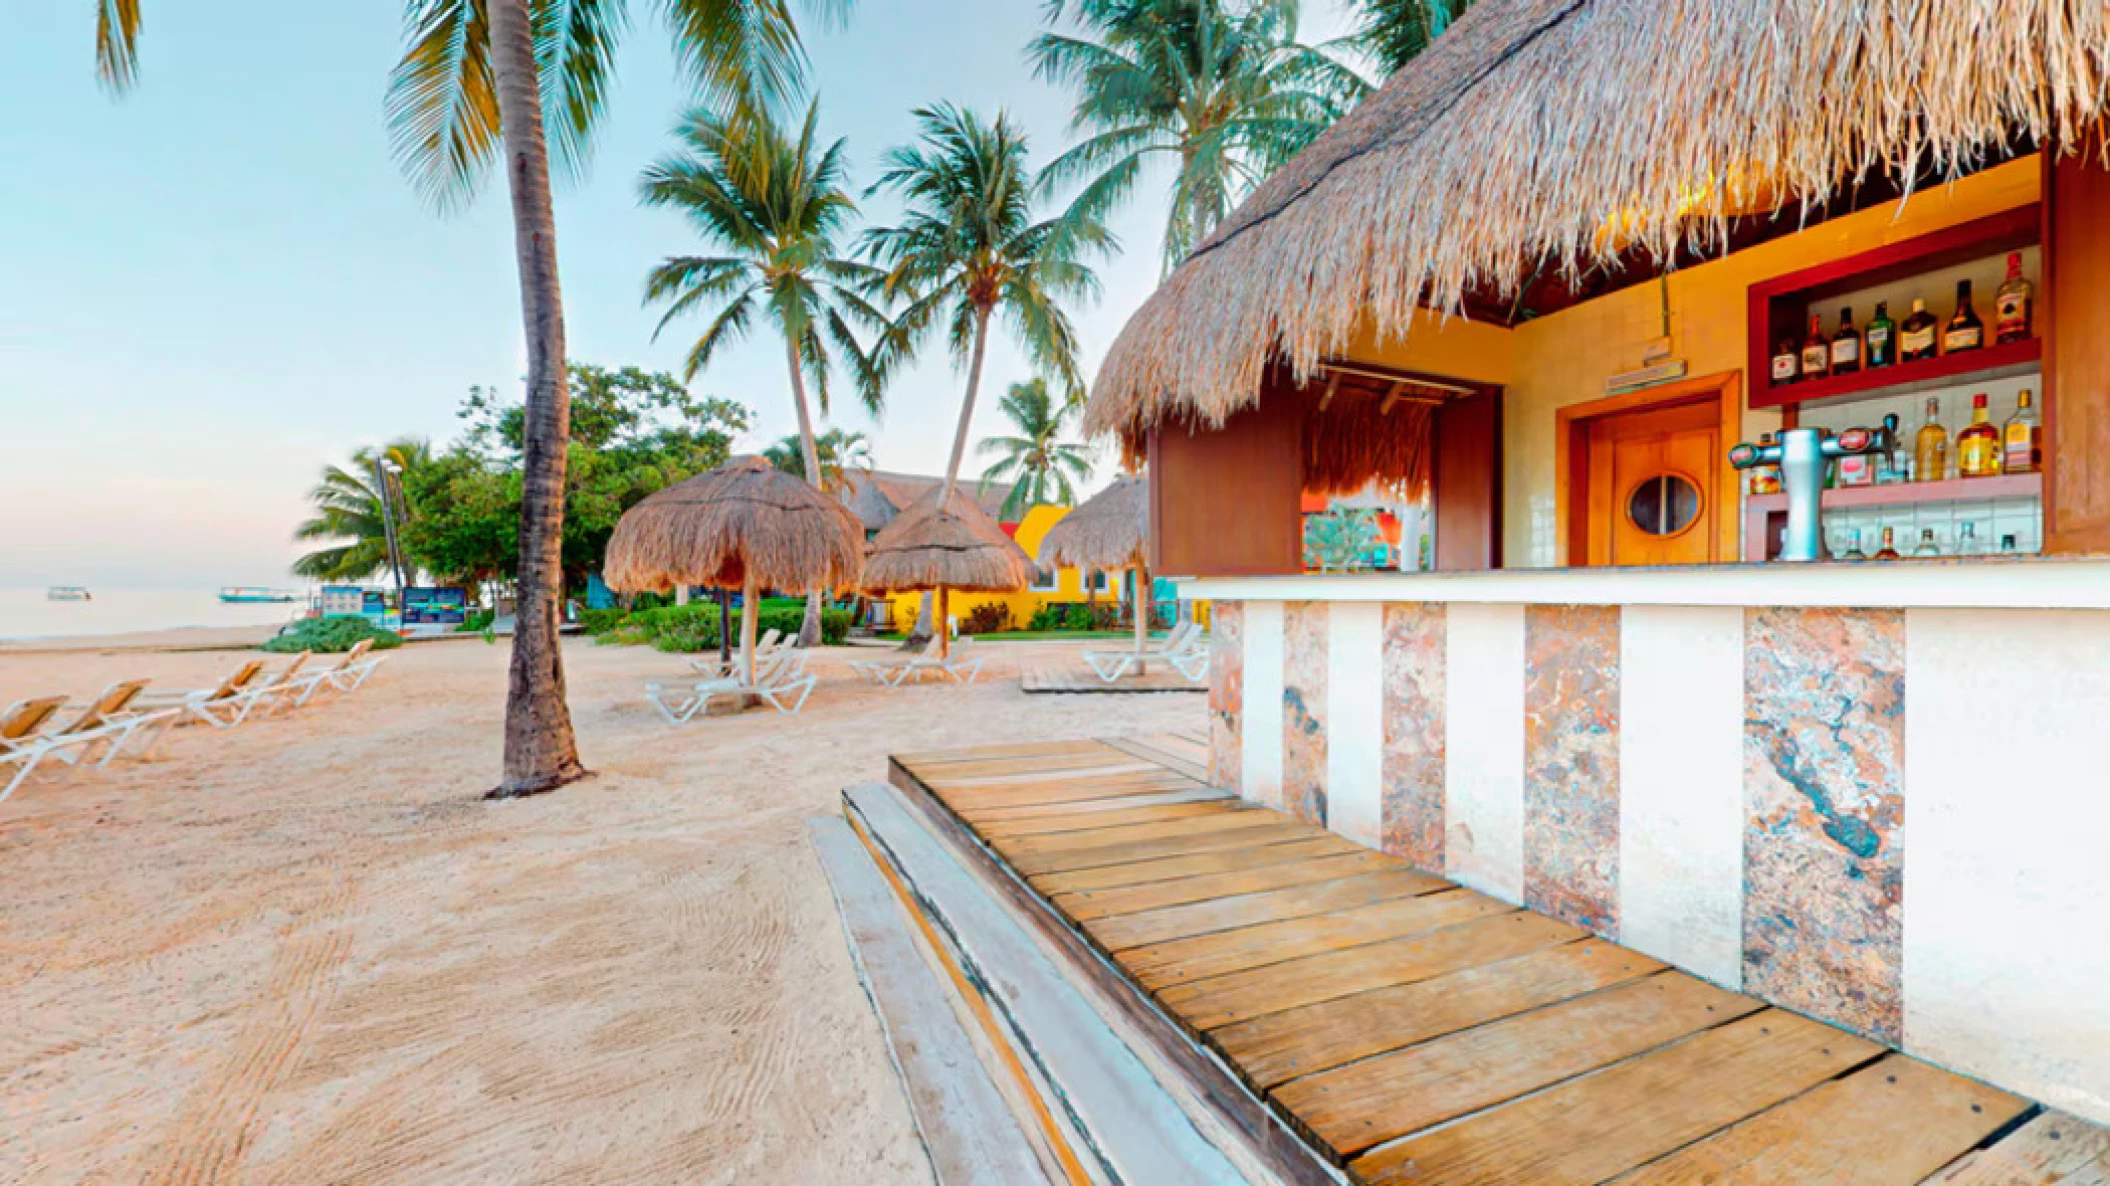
(1395, 32)
(1041, 468)
(969, 248)
(348, 510)
(837, 450)
(773, 203)
(1219, 89)
(469, 89)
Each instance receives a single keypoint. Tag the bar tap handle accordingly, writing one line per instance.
(1747, 454)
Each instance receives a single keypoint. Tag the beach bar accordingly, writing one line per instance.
(1504, 327)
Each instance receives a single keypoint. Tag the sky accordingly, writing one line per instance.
(220, 283)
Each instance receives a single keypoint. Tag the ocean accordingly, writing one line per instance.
(27, 613)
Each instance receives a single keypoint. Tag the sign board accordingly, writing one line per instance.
(425, 605)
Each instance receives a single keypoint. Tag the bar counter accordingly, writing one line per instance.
(1875, 793)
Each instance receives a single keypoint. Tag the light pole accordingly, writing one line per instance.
(385, 470)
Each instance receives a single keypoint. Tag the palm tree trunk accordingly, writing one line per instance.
(974, 383)
(810, 626)
(944, 623)
(750, 614)
(1142, 614)
(541, 753)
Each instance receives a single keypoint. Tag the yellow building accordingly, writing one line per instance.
(1063, 586)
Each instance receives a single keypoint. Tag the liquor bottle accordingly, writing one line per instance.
(1916, 336)
(1930, 449)
(1927, 549)
(1787, 362)
(2013, 305)
(1967, 541)
(1889, 550)
(1882, 348)
(1978, 445)
(1846, 345)
(2019, 437)
(1853, 546)
(1816, 351)
(1965, 331)
(2007, 545)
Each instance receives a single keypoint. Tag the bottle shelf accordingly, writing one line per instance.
(2029, 485)
(2002, 361)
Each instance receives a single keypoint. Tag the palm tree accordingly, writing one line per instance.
(348, 508)
(468, 91)
(1394, 32)
(837, 450)
(775, 204)
(1221, 89)
(968, 248)
(1040, 468)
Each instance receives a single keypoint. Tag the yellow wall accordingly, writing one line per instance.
(1069, 582)
(1564, 358)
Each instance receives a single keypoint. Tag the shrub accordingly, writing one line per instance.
(477, 621)
(694, 627)
(1077, 617)
(1045, 617)
(600, 621)
(988, 618)
(331, 636)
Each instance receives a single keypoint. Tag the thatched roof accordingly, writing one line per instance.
(715, 527)
(958, 547)
(899, 491)
(1111, 529)
(871, 506)
(1559, 133)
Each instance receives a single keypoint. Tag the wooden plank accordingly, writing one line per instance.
(1889, 1123)
(1179, 961)
(1303, 1041)
(1591, 1129)
(1187, 794)
(1244, 910)
(967, 1128)
(1007, 772)
(1012, 787)
(969, 803)
(2055, 1149)
(1110, 876)
(1192, 768)
(1111, 816)
(1077, 859)
(1208, 1004)
(1216, 822)
(1091, 904)
(1015, 749)
(1366, 1103)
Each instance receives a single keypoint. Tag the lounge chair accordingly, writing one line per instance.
(203, 703)
(106, 722)
(781, 681)
(890, 671)
(349, 672)
(238, 695)
(1185, 649)
(766, 647)
(963, 664)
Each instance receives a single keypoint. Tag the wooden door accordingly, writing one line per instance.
(1655, 486)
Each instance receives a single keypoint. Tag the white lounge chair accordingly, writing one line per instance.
(104, 722)
(766, 647)
(1185, 649)
(782, 682)
(237, 697)
(349, 672)
(963, 664)
(203, 703)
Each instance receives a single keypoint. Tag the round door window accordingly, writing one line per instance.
(1664, 505)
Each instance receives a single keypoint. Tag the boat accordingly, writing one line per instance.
(67, 593)
(250, 594)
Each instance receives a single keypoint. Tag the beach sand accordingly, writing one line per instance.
(305, 951)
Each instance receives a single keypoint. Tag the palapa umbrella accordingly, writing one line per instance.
(953, 545)
(1110, 530)
(745, 525)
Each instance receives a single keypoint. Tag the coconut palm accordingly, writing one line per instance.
(969, 248)
(1039, 466)
(1219, 89)
(773, 201)
(348, 508)
(837, 450)
(470, 89)
(1394, 32)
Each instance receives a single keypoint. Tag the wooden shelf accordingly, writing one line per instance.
(2003, 361)
(2029, 485)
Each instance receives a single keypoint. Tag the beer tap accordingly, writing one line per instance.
(1802, 455)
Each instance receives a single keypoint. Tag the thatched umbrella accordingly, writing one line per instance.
(744, 525)
(955, 545)
(1110, 530)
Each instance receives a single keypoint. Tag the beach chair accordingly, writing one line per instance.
(1175, 649)
(349, 672)
(891, 671)
(766, 647)
(201, 703)
(106, 722)
(238, 695)
(963, 664)
(781, 682)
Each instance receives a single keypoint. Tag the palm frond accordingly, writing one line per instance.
(117, 44)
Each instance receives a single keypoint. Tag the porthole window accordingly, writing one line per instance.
(1664, 505)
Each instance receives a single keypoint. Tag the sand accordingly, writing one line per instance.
(305, 951)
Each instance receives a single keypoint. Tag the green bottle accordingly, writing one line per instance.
(1882, 336)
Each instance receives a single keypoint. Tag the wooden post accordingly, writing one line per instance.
(750, 613)
(1142, 615)
(943, 624)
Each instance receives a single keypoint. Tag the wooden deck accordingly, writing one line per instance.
(1074, 676)
(1416, 1031)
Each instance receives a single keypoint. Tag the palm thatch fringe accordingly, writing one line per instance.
(1354, 441)
(1559, 133)
(744, 520)
(1110, 530)
(957, 546)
